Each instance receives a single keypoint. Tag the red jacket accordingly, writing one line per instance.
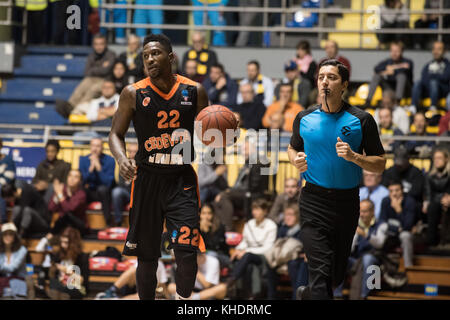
(76, 204)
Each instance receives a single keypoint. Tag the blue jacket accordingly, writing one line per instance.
(283, 229)
(17, 263)
(95, 179)
(363, 244)
(406, 218)
(383, 64)
(7, 170)
(226, 96)
(436, 70)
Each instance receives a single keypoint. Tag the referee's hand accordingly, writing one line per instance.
(128, 169)
(300, 162)
(343, 150)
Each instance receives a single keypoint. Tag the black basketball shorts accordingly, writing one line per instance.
(163, 195)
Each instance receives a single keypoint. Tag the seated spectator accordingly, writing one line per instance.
(258, 237)
(436, 198)
(125, 286)
(215, 18)
(262, 85)
(213, 234)
(373, 190)
(250, 184)
(446, 133)
(30, 213)
(69, 202)
(284, 107)
(297, 268)
(221, 89)
(12, 263)
(69, 263)
(394, 73)
(399, 212)
(132, 58)
(190, 71)
(119, 76)
(301, 86)
(332, 50)
(435, 78)
(393, 14)
(305, 62)
(50, 169)
(7, 176)
(122, 192)
(207, 284)
(411, 177)
(201, 53)
(430, 21)
(97, 170)
(98, 66)
(400, 117)
(250, 109)
(444, 121)
(288, 197)
(388, 129)
(212, 179)
(420, 148)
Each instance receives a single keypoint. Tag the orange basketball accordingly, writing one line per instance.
(216, 117)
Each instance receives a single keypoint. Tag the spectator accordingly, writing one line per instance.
(411, 177)
(331, 50)
(435, 78)
(216, 18)
(420, 148)
(446, 133)
(250, 184)
(430, 21)
(393, 14)
(212, 179)
(258, 237)
(50, 169)
(288, 197)
(98, 66)
(400, 118)
(97, 170)
(30, 212)
(388, 129)
(119, 76)
(437, 191)
(247, 19)
(7, 176)
(395, 73)
(207, 285)
(69, 262)
(12, 263)
(190, 71)
(262, 85)
(117, 15)
(373, 190)
(444, 121)
(132, 58)
(220, 87)
(125, 286)
(122, 192)
(284, 107)
(301, 87)
(305, 62)
(250, 109)
(399, 212)
(69, 202)
(297, 268)
(148, 16)
(201, 53)
(213, 233)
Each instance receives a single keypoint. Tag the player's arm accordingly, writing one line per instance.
(202, 98)
(296, 147)
(120, 123)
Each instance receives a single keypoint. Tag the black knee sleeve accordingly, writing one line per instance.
(146, 279)
(186, 272)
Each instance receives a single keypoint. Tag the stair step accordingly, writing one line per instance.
(88, 245)
(428, 275)
(61, 50)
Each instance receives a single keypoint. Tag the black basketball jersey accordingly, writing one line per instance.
(164, 123)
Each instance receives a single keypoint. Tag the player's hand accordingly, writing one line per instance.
(128, 169)
(300, 162)
(343, 150)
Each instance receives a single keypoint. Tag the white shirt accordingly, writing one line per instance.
(268, 90)
(211, 270)
(399, 118)
(102, 102)
(258, 239)
(161, 274)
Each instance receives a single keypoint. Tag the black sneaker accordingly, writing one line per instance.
(63, 108)
(303, 293)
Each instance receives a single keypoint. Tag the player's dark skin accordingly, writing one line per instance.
(157, 62)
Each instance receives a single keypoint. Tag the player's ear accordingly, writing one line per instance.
(171, 57)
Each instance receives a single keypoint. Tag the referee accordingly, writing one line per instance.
(330, 144)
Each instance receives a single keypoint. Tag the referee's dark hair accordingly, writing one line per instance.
(161, 38)
(342, 69)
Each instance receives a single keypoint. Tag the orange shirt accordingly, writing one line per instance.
(290, 112)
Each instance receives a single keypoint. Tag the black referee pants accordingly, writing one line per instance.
(328, 220)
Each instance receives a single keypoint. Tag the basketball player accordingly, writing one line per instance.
(163, 107)
(330, 144)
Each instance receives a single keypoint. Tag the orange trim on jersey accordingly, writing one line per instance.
(144, 83)
(172, 91)
(132, 190)
(201, 244)
(185, 80)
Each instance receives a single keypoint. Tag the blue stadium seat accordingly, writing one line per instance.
(29, 113)
(51, 66)
(51, 50)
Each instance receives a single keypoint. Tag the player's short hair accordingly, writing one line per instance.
(54, 143)
(342, 69)
(256, 63)
(219, 66)
(261, 204)
(161, 38)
